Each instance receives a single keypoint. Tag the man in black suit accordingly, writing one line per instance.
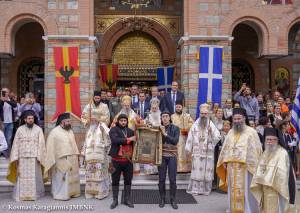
(171, 97)
(134, 94)
(142, 107)
(155, 94)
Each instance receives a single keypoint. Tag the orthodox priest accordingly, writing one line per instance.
(27, 160)
(184, 121)
(237, 162)
(201, 142)
(153, 120)
(126, 109)
(96, 146)
(273, 184)
(62, 160)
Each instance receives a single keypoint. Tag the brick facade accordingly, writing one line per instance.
(71, 22)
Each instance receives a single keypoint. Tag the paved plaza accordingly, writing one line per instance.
(215, 203)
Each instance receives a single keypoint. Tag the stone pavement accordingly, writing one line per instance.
(215, 203)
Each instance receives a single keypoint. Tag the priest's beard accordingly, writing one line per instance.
(239, 126)
(155, 116)
(29, 125)
(67, 127)
(270, 149)
(203, 122)
(126, 111)
(97, 103)
(179, 112)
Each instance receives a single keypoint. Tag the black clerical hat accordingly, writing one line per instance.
(97, 93)
(239, 111)
(62, 117)
(121, 116)
(27, 113)
(269, 131)
(178, 102)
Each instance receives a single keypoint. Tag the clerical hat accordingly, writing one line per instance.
(165, 112)
(179, 102)
(122, 116)
(62, 117)
(27, 113)
(97, 93)
(269, 131)
(239, 111)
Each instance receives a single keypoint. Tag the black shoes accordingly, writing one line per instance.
(162, 202)
(173, 204)
(115, 190)
(127, 200)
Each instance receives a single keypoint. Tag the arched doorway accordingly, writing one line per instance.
(246, 49)
(29, 60)
(242, 72)
(31, 77)
(138, 55)
(294, 47)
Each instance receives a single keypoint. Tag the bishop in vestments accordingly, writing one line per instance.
(62, 160)
(96, 146)
(184, 121)
(237, 163)
(273, 184)
(27, 160)
(202, 139)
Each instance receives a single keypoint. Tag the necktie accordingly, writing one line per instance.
(141, 110)
(173, 100)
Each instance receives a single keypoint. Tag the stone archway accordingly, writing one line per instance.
(142, 24)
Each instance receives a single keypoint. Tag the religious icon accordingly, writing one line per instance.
(282, 81)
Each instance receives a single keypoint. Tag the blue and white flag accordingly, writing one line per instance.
(165, 78)
(210, 75)
(295, 119)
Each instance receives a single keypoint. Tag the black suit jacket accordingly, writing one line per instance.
(147, 107)
(168, 105)
(118, 138)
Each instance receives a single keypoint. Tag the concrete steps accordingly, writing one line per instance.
(139, 181)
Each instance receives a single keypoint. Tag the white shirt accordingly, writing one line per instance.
(3, 143)
(7, 113)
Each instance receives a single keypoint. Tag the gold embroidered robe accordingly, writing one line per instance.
(270, 182)
(95, 149)
(63, 164)
(201, 143)
(237, 162)
(184, 121)
(27, 160)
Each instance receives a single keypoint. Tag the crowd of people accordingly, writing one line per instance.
(247, 147)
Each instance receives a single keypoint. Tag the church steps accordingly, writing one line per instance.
(139, 181)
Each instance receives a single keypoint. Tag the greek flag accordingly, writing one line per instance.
(295, 119)
(210, 75)
(165, 78)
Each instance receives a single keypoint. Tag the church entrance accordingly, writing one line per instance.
(138, 56)
(31, 77)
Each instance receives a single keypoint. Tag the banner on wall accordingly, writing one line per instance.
(109, 76)
(210, 75)
(66, 61)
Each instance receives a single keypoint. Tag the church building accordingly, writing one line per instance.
(260, 41)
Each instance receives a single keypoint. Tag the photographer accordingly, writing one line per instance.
(248, 102)
(30, 104)
(7, 116)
